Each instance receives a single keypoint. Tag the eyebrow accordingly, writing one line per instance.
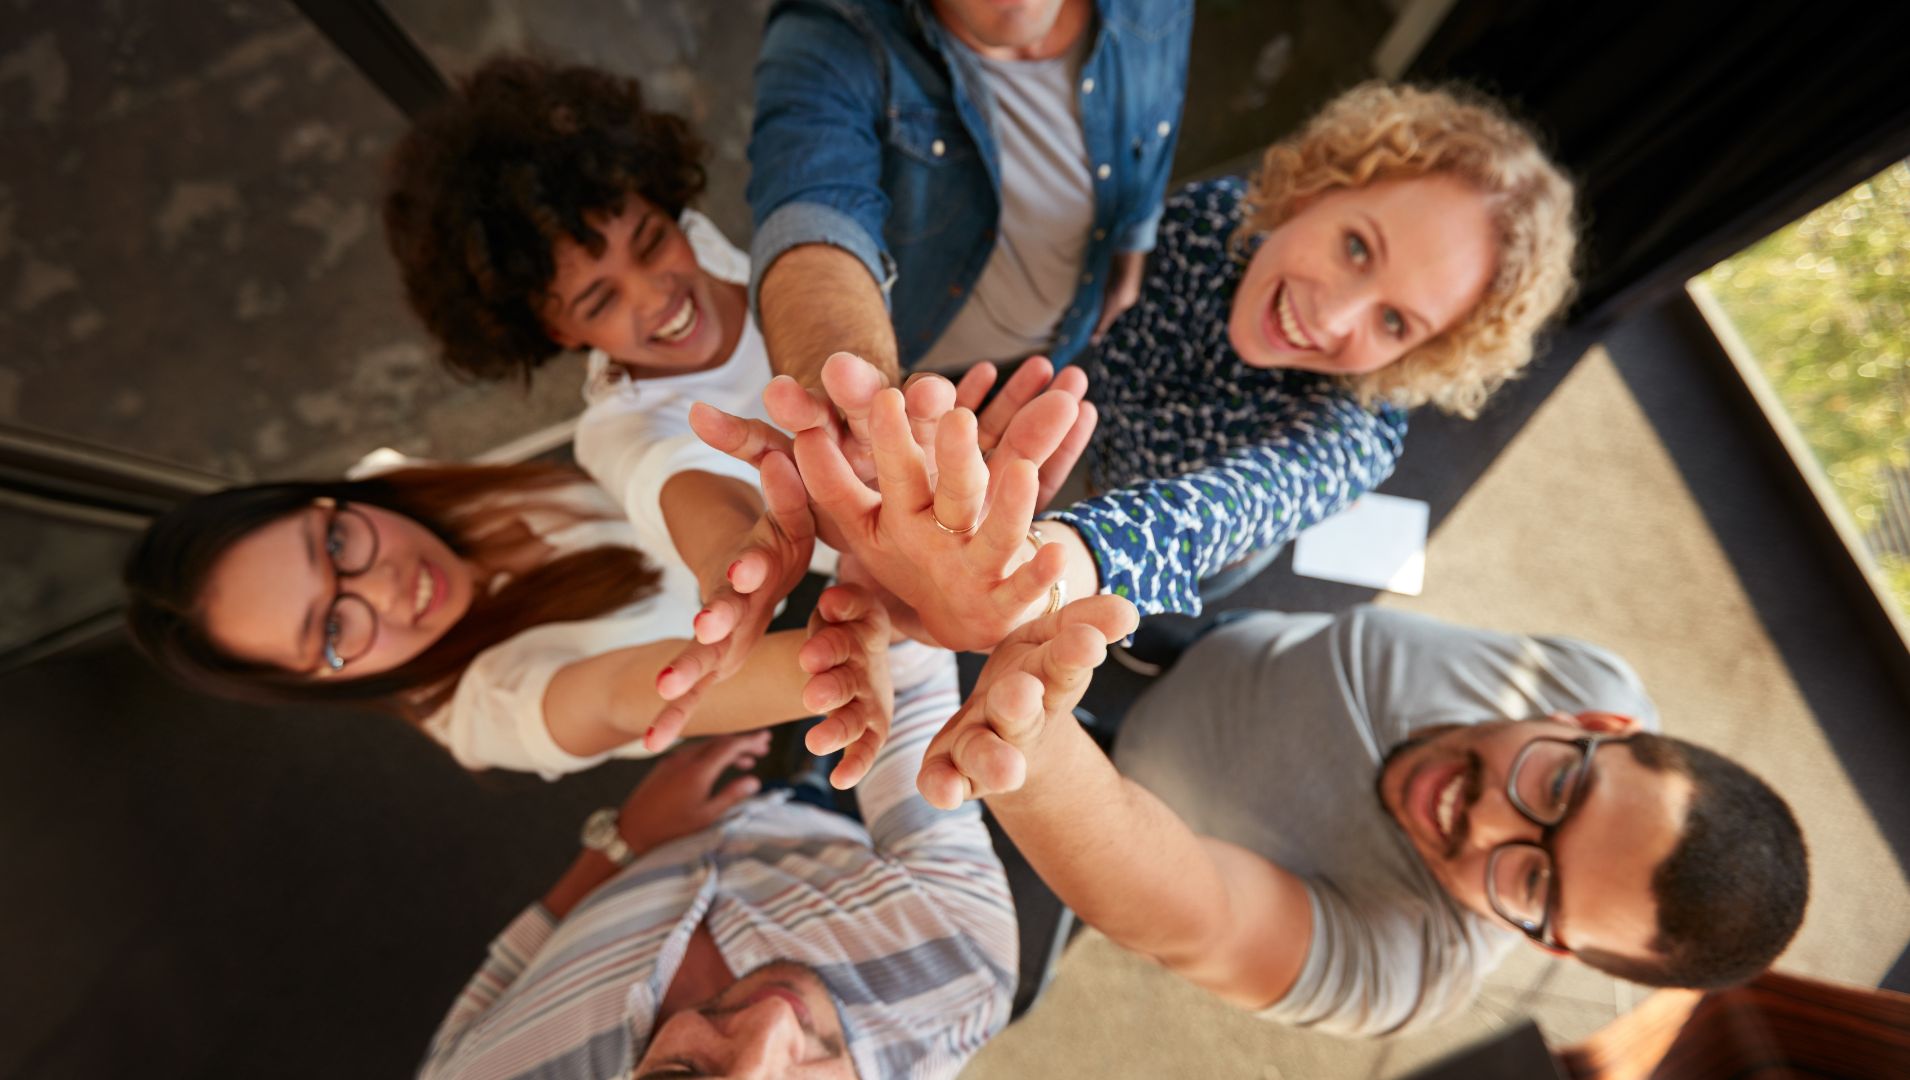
(302, 646)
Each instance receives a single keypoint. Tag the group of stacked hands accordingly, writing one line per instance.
(1338, 820)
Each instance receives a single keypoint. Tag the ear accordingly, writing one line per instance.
(1601, 723)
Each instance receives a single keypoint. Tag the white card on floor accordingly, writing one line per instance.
(1379, 542)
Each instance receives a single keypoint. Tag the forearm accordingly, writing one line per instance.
(817, 299)
(767, 690)
(1155, 540)
(1082, 576)
(1115, 854)
(591, 869)
(708, 516)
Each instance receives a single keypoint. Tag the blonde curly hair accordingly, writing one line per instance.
(1385, 131)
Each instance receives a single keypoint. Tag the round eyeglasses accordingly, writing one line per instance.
(1544, 784)
(351, 624)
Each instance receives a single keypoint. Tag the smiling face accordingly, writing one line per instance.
(776, 1021)
(644, 300)
(267, 597)
(1446, 788)
(1359, 276)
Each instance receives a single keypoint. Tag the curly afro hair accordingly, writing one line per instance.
(481, 189)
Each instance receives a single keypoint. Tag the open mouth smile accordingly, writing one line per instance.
(680, 325)
(1284, 323)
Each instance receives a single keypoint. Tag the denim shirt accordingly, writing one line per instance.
(872, 134)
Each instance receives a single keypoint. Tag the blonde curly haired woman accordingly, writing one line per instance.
(1404, 247)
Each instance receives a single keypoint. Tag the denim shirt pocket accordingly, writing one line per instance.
(929, 153)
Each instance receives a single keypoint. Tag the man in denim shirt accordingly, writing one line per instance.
(902, 153)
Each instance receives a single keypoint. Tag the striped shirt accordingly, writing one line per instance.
(908, 923)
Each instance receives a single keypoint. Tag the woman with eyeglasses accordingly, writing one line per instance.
(505, 609)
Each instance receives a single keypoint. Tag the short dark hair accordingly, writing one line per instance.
(1732, 893)
(482, 187)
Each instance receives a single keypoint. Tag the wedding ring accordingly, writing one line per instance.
(953, 532)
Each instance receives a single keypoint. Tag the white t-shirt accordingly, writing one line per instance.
(635, 433)
(495, 717)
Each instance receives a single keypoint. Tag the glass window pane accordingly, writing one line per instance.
(1822, 307)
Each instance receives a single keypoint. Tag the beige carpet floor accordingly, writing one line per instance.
(1584, 525)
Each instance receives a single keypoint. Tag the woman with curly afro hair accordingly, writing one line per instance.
(545, 208)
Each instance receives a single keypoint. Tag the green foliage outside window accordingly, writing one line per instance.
(1824, 305)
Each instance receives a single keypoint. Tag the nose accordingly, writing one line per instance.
(1493, 820)
(1342, 308)
(381, 586)
(765, 1038)
(649, 292)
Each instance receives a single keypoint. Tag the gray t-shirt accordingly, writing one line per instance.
(1047, 211)
(1269, 734)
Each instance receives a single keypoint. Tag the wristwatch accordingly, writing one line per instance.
(602, 835)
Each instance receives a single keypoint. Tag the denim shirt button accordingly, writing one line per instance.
(938, 148)
(1103, 172)
(1087, 86)
(1100, 234)
(1087, 279)
(1164, 128)
(954, 290)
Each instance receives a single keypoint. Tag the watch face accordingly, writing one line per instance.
(600, 829)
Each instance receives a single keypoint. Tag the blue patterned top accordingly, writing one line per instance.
(1206, 459)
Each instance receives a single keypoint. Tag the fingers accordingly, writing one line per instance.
(832, 483)
(722, 612)
(975, 385)
(688, 668)
(668, 724)
(785, 499)
(1021, 388)
(900, 467)
(1038, 429)
(857, 758)
(977, 763)
(796, 408)
(1004, 532)
(1012, 707)
(740, 750)
(733, 792)
(1055, 470)
(745, 440)
(1072, 381)
(961, 485)
(929, 397)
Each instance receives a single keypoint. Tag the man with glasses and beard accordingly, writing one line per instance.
(1344, 821)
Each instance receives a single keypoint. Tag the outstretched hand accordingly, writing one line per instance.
(678, 795)
(842, 408)
(737, 609)
(847, 657)
(947, 549)
(1033, 680)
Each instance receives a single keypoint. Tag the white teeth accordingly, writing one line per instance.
(426, 587)
(1289, 322)
(1449, 803)
(677, 328)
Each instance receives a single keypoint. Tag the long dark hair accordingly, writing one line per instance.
(165, 579)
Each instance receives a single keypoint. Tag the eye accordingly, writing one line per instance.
(335, 540)
(1532, 880)
(602, 305)
(646, 240)
(1394, 322)
(1356, 249)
